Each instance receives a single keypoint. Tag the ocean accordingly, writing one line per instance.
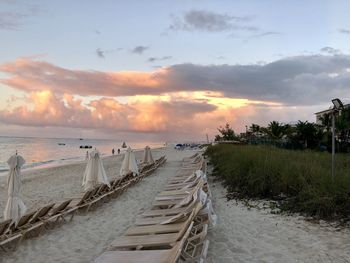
(50, 151)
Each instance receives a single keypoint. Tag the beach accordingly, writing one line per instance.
(86, 236)
(252, 234)
(242, 234)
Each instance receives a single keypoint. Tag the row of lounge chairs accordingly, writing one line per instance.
(33, 223)
(175, 227)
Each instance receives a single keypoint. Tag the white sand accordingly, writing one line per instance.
(86, 236)
(242, 235)
(253, 235)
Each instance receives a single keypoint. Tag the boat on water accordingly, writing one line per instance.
(85, 147)
(61, 143)
(124, 145)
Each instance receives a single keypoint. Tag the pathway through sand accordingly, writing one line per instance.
(252, 235)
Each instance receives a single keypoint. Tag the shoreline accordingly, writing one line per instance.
(70, 161)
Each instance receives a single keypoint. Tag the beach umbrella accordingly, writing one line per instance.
(129, 163)
(15, 207)
(147, 155)
(94, 172)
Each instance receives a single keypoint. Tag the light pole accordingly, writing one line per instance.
(338, 106)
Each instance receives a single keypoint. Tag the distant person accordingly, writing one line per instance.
(113, 151)
(118, 151)
(87, 155)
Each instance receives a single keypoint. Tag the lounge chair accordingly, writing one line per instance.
(4, 227)
(25, 227)
(170, 211)
(58, 212)
(196, 246)
(41, 214)
(151, 255)
(10, 239)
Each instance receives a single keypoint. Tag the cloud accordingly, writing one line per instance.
(207, 21)
(264, 34)
(344, 31)
(330, 50)
(299, 80)
(155, 59)
(139, 49)
(102, 53)
(46, 109)
(13, 20)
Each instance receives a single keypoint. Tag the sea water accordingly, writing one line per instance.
(50, 151)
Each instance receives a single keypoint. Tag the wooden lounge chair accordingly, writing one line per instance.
(4, 227)
(41, 214)
(151, 255)
(196, 246)
(25, 227)
(77, 204)
(164, 228)
(57, 213)
(180, 217)
(11, 239)
(170, 211)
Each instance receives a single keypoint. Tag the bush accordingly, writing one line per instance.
(302, 178)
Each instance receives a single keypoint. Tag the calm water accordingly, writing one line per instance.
(44, 151)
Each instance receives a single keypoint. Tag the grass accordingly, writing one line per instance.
(300, 179)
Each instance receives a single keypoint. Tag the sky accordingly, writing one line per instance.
(168, 70)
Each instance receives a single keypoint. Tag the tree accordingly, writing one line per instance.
(254, 128)
(227, 133)
(309, 134)
(276, 130)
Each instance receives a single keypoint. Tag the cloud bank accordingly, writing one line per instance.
(299, 80)
(207, 21)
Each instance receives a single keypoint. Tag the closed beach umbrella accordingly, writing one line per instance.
(147, 155)
(15, 207)
(129, 163)
(94, 172)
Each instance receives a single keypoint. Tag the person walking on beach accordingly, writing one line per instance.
(113, 151)
(87, 155)
(118, 151)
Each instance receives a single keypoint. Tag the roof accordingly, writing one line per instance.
(329, 110)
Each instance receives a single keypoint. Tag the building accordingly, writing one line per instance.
(320, 114)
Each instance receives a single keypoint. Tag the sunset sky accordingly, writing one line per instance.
(168, 70)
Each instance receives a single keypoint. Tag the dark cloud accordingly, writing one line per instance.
(155, 59)
(139, 49)
(207, 21)
(344, 31)
(299, 80)
(330, 50)
(102, 53)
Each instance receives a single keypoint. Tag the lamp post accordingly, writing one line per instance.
(338, 106)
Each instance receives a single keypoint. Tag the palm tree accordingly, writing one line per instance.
(276, 130)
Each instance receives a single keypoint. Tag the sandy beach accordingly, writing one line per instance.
(241, 235)
(86, 236)
(245, 234)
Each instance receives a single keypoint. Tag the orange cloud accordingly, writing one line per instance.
(44, 108)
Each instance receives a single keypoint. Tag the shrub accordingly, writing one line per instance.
(302, 178)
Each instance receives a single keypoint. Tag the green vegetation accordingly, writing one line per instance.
(301, 180)
(227, 134)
